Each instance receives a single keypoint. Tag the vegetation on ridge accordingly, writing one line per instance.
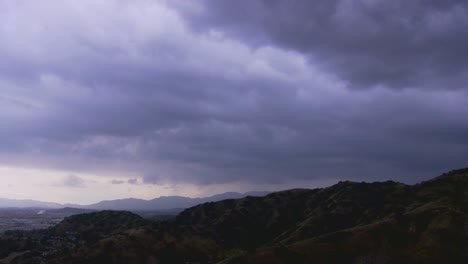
(383, 222)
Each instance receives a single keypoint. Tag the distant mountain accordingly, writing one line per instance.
(162, 203)
(165, 202)
(11, 203)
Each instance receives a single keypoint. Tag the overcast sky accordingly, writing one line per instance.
(112, 98)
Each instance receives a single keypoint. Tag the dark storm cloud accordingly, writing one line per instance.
(117, 182)
(135, 87)
(74, 181)
(396, 44)
(132, 181)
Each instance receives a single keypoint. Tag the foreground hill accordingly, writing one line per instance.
(385, 222)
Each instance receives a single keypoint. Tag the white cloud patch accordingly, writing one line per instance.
(74, 181)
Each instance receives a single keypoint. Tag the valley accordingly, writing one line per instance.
(28, 219)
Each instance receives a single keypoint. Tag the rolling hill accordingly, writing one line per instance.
(350, 222)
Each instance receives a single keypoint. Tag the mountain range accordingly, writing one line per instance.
(12, 203)
(131, 204)
(349, 222)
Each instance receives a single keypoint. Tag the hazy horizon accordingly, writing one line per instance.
(104, 100)
(118, 199)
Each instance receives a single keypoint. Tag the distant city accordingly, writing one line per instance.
(28, 219)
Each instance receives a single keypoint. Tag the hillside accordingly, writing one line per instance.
(350, 222)
(91, 226)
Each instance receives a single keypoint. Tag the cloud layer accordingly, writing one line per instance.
(219, 92)
(368, 43)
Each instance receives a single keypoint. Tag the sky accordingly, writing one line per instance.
(111, 99)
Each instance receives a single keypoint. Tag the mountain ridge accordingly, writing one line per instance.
(159, 203)
(26, 203)
(349, 222)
